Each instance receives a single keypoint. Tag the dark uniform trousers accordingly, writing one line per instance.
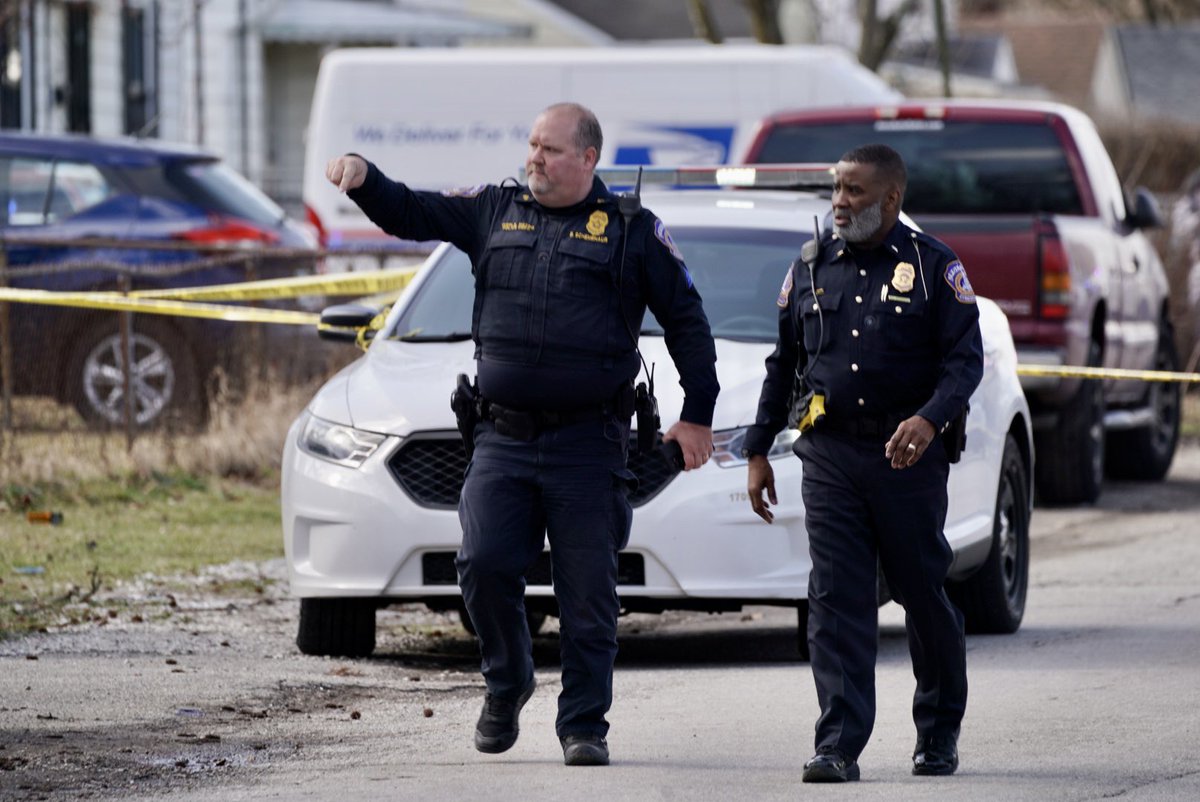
(861, 512)
(570, 484)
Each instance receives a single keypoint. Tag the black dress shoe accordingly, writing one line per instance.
(935, 755)
(585, 750)
(497, 729)
(830, 766)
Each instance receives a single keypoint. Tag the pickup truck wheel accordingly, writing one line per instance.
(1070, 456)
(1146, 453)
(992, 600)
(337, 627)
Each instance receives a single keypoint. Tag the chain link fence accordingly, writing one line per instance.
(133, 374)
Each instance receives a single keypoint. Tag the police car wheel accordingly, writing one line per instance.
(992, 600)
(337, 627)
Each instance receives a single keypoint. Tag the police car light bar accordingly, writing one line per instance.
(770, 176)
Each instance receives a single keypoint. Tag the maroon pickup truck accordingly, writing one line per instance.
(1026, 195)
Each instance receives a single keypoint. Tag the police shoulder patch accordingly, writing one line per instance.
(463, 192)
(785, 292)
(956, 277)
(664, 236)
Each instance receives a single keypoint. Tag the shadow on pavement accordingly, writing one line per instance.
(713, 646)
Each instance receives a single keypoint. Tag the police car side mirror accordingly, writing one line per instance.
(342, 322)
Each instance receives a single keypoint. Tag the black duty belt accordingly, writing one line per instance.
(866, 427)
(526, 424)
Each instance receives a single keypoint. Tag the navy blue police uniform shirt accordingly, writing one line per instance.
(898, 334)
(548, 329)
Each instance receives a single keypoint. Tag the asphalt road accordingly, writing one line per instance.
(1097, 697)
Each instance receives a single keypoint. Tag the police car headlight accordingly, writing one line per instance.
(728, 443)
(338, 444)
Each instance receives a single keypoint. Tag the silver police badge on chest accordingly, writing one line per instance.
(902, 277)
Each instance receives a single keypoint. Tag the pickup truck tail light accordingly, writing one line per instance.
(1055, 295)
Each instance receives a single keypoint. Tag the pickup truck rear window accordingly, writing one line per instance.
(953, 167)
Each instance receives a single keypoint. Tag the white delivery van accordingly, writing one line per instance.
(442, 118)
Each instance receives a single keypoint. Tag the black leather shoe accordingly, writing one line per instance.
(585, 750)
(830, 766)
(935, 755)
(497, 729)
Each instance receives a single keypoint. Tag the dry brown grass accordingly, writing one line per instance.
(1156, 154)
(243, 439)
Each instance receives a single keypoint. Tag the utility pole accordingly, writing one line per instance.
(198, 39)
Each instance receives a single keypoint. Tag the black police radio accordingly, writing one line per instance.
(645, 404)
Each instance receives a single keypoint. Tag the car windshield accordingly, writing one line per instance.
(738, 272)
(953, 167)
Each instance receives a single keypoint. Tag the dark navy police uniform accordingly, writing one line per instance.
(897, 334)
(552, 337)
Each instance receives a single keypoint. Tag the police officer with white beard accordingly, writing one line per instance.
(881, 325)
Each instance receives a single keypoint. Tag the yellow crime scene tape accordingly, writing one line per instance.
(1108, 373)
(268, 289)
(382, 286)
(190, 301)
(116, 302)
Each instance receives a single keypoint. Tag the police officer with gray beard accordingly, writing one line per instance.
(881, 325)
(555, 322)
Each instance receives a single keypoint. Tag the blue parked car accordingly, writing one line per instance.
(70, 187)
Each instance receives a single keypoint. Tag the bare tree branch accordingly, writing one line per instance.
(880, 34)
(868, 13)
(703, 23)
(764, 20)
(943, 45)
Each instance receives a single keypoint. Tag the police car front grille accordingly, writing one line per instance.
(429, 467)
(653, 473)
(437, 568)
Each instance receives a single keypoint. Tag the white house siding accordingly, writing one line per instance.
(51, 67)
(107, 97)
(174, 50)
(291, 71)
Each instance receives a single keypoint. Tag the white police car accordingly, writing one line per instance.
(372, 469)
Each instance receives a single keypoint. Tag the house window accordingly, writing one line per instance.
(79, 71)
(139, 76)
